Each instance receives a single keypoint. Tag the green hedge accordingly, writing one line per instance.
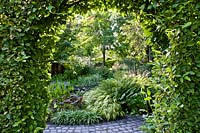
(27, 30)
(24, 55)
(172, 27)
(25, 44)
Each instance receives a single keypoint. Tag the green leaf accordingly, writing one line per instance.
(174, 5)
(181, 79)
(147, 98)
(50, 8)
(8, 116)
(155, 4)
(198, 5)
(191, 73)
(181, 105)
(150, 7)
(34, 9)
(148, 92)
(38, 129)
(198, 65)
(187, 25)
(142, 7)
(187, 78)
(16, 124)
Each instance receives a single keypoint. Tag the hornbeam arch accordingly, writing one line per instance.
(25, 52)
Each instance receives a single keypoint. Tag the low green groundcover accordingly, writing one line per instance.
(76, 117)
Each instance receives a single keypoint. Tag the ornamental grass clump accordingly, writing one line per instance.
(76, 117)
(113, 98)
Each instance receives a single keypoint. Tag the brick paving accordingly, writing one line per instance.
(126, 125)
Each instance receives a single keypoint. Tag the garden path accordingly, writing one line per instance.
(130, 124)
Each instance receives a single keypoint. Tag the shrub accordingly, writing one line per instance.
(75, 66)
(104, 72)
(67, 75)
(89, 81)
(110, 62)
(59, 91)
(148, 91)
(76, 117)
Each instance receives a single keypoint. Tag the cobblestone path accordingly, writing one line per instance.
(126, 125)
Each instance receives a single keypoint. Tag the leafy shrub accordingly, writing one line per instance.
(176, 68)
(90, 80)
(110, 62)
(148, 91)
(75, 66)
(115, 96)
(132, 66)
(59, 91)
(76, 117)
(104, 72)
(67, 75)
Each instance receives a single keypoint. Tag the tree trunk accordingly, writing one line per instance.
(104, 55)
(149, 54)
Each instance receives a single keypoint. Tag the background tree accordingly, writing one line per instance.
(120, 35)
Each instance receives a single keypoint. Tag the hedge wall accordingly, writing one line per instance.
(26, 39)
(24, 68)
(173, 30)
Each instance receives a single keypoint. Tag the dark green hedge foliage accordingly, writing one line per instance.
(24, 34)
(24, 68)
(176, 69)
(26, 39)
(173, 30)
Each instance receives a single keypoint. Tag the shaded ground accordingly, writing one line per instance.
(126, 125)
